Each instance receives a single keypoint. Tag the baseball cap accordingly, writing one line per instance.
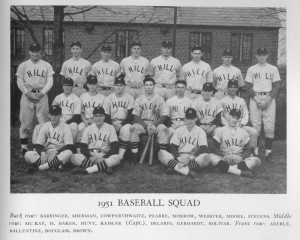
(120, 79)
(190, 113)
(235, 112)
(148, 78)
(91, 79)
(208, 87)
(55, 110)
(181, 81)
(196, 47)
(262, 51)
(98, 110)
(227, 52)
(68, 81)
(106, 48)
(232, 82)
(136, 43)
(166, 43)
(34, 47)
(76, 43)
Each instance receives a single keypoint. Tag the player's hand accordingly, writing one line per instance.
(266, 103)
(93, 158)
(211, 130)
(192, 157)
(203, 128)
(151, 129)
(180, 165)
(118, 127)
(32, 98)
(39, 95)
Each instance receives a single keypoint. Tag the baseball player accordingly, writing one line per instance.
(224, 73)
(262, 84)
(34, 79)
(53, 146)
(150, 112)
(89, 101)
(76, 68)
(209, 110)
(196, 73)
(119, 106)
(177, 107)
(231, 149)
(99, 147)
(135, 68)
(165, 70)
(106, 71)
(188, 148)
(71, 106)
(232, 101)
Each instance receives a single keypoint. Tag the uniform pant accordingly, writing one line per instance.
(111, 161)
(259, 116)
(105, 92)
(165, 92)
(175, 124)
(161, 131)
(135, 92)
(36, 131)
(32, 156)
(73, 126)
(81, 126)
(253, 136)
(27, 114)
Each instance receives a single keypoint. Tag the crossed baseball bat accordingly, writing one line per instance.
(149, 143)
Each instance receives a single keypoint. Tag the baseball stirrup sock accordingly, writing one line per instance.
(123, 144)
(54, 163)
(268, 143)
(223, 166)
(172, 163)
(134, 147)
(163, 147)
(24, 141)
(101, 166)
(86, 163)
(243, 166)
(193, 164)
(38, 162)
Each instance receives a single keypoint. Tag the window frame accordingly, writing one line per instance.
(128, 40)
(200, 40)
(48, 42)
(14, 42)
(241, 48)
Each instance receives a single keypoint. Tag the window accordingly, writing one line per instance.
(17, 42)
(123, 42)
(48, 39)
(204, 40)
(241, 46)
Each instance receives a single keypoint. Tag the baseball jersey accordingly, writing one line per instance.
(207, 111)
(177, 107)
(78, 70)
(117, 107)
(105, 72)
(222, 74)
(135, 70)
(165, 70)
(189, 141)
(150, 109)
(196, 74)
(54, 138)
(35, 75)
(232, 141)
(70, 105)
(88, 102)
(262, 77)
(229, 103)
(99, 138)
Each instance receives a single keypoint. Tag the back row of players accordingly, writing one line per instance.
(149, 111)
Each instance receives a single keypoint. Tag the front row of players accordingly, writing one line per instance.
(98, 146)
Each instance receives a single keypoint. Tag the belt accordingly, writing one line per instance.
(135, 86)
(205, 123)
(117, 119)
(105, 88)
(165, 85)
(35, 90)
(78, 85)
(262, 93)
(196, 91)
(148, 120)
(179, 119)
(95, 150)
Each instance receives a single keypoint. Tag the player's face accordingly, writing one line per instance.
(232, 90)
(227, 60)
(99, 119)
(136, 51)
(92, 87)
(67, 89)
(206, 94)
(196, 55)
(54, 119)
(190, 123)
(35, 55)
(262, 58)
(149, 87)
(105, 55)
(76, 51)
(166, 51)
(180, 89)
(119, 88)
(233, 121)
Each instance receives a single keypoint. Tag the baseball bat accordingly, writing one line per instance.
(145, 150)
(151, 151)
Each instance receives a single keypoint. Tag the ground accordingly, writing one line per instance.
(270, 178)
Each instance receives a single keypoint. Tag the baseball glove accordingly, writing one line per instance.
(232, 159)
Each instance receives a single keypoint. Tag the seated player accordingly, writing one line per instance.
(150, 112)
(231, 148)
(99, 147)
(232, 101)
(54, 144)
(118, 107)
(188, 148)
(70, 105)
(177, 106)
(89, 101)
(208, 110)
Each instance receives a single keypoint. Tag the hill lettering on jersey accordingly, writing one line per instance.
(36, 73)
(75, 70)
(54, 135)
(165, 67)
(136, 68)
(90, 105)
(105, 71)
(194, 73)
(94, 137)
(119, 104)
(67, 104)
(233, 142)
(207, 112)
(184, 140)
(226, 77)
(229, 107)
(268, 76)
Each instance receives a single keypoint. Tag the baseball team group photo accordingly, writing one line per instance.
(139, 99)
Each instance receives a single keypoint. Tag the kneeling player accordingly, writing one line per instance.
(188, 147)
(99, 147)
(232, 148)
(54, 144)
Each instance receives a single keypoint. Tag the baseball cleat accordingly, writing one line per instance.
(269, 157)
(247, 174)
(23, 151)
(109, 171)
(193, 174)
(135, 159)
(79, 171)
